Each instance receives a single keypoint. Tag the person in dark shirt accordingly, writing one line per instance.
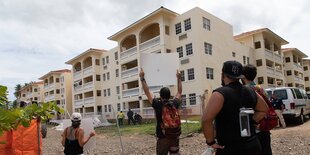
(130, 117)
(224, 108)
(138, 118)
(165, 143)
(278, 107)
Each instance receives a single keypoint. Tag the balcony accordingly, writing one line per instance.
(51, 86)
(78, 103)
(268, 53)
(270, 70)
(128, 53)
(131, 92)
(77, 75)
(78, 88)
(148, 112)
(88, 85)
(150, 43)
(277, 57)
(278, 73)
(45, 86)
(297, 66)
(88, 70)
(129, 72)
(89, 100)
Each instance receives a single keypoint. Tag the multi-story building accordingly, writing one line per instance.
(306, 68)
(87, 76)
(32, 92)
(267, 54)
(57, 89)
(293, 65)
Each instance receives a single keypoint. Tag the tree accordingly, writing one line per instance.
(18, 87)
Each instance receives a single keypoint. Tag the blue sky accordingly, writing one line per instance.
(39, 36)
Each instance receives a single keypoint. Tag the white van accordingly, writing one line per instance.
(296, 102)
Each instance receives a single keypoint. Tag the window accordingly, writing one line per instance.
(105, 108)
(233, 54)
(190, 74)
(35, 89)
(244, 60)
(209, 73)
(107, 59)
(192, 99)
(116, 73)
(57, 91)
(187, 24)
(97, 77)
(109, 92)
(57, 80)
(257, 45)
(306, 78)
(290, 85)
(259, 62)
(287, 59)
(117, 89)
(124, 105)
(307, 88)
(103, 61)
(103, 77)
(166, 29)
(116, 55)
(118, 107)
(305, 68)
(288, 73)
(98, 92)
(208, 48)
(206, 23)
(260, 80)
(97, 61)
(180, 51)
(104, 93)
(178, 28)
(248, 60)
(110, 108)
(108, 76)
(183, 97)
(182, 76)
(189, 49)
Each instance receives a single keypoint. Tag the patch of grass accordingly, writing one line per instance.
(144, 129)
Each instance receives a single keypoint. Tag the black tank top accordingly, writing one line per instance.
(227, 125)
(72, 146)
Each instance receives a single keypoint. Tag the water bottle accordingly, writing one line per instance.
(209, 151)
(244, 121)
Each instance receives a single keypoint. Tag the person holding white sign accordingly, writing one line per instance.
(73, 137)
(168, 126)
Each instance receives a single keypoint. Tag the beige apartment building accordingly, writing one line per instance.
(294, 69)
(267, 54)
(87, 80)
(202, 41)
(306, 68)
(57, 88)
(32, 93)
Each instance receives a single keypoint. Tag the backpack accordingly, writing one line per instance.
(171, 122)
(270, 121)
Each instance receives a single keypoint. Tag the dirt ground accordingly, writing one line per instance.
(293, 140)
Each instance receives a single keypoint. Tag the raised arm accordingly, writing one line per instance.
(179, 93)
(82, 140)
(145, 87)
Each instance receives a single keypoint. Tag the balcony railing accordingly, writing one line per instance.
(89, 100)
(131, 92)
(268, 53)
(279, 72)
(297, 66)
(77, 74)
(88, 70)
(78, 88)
(128, 53)
(88, 85)
(78, 103)
(150, 43)
(270, 70)
(129, 72)
(51, 86)
(148, 112)
(277, 57)
(45, 86)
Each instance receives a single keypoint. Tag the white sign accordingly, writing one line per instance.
(88, 126)
(160, 69)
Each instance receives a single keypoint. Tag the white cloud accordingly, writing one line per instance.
(38, 36)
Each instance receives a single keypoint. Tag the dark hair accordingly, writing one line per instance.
(165, 93)
(249, 72)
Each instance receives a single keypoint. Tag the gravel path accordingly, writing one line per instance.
(294, 140)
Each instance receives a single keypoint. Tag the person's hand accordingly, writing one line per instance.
(217, 146)
(141, 74)
(92, 134)
(178, 75)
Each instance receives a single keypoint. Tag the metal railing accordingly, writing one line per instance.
(150, 43)
(128, 53)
